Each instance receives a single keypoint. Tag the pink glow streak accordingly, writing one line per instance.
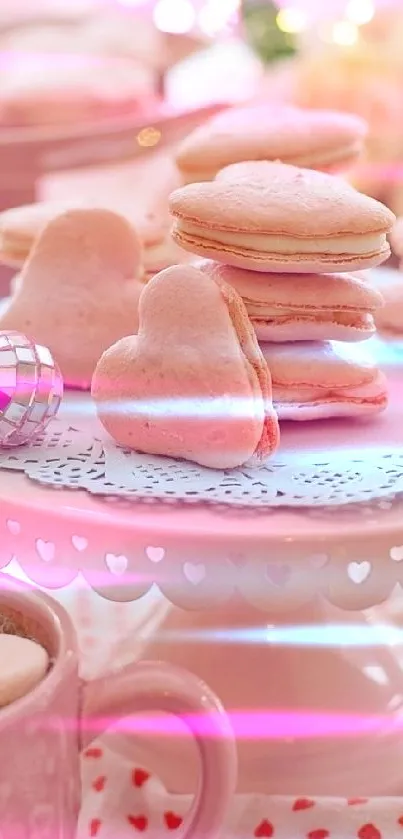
(270, 725)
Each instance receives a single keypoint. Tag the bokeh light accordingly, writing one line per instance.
(360, 11)
(174, 16)
(291, 20)
(345, 33)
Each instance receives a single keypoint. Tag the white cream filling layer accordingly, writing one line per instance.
(263, 315)
(365, 244)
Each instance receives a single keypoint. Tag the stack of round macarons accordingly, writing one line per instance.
(290, 241)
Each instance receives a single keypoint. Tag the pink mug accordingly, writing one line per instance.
(42, 734)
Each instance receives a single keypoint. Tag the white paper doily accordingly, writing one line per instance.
(74, 459)
(326, 517)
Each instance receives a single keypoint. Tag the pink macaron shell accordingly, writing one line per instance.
(311, 306)
(315, 139)
(323, 365)
(40, 88)
(79, 290)
(364, 400)
(344, 292)
(272, 197)
(390, 283)
(179, 381)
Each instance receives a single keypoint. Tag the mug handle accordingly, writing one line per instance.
(157, 686)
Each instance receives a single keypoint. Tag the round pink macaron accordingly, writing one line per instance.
(316, 139)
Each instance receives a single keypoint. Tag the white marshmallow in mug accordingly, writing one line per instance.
(23, 664)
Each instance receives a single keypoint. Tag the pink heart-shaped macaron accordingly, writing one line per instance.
(78, 291)
(193, 383)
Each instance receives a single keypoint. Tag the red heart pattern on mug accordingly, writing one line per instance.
(139, 823)
(93, 753)
(294, 812)
(139, 777)
(264, 829)
(354, 802)
(99, 784)
(95, 825)
(172, 820)
(303, 804)
(369, 831)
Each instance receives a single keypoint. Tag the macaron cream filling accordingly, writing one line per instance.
(356, 245)
(267, 314)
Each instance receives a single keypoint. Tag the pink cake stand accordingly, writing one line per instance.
(353, 556)
(279, 580)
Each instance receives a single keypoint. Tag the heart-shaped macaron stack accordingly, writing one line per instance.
(288, 239)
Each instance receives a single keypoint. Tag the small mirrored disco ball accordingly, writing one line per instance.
(31, 389)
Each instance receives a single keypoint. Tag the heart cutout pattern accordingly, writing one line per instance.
(278, 574)
(116, 564)
(195, 573)
(264, 829)
(165, 391)
(45, 550)
(80, 543)
(358, 572)
(13, 527)
(321, 833)
(397, 553)
(155, 554)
